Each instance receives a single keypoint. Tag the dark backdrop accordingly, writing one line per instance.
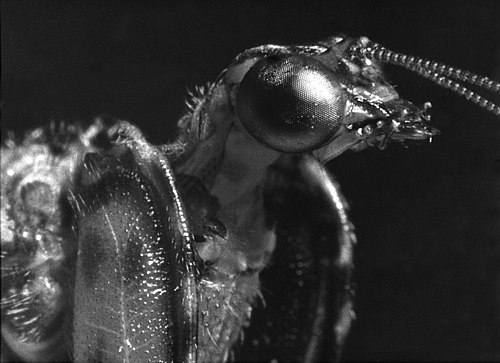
(428, 257)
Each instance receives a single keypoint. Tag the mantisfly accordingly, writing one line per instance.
(232, 242)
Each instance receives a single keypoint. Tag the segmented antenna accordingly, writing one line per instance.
(439, 73)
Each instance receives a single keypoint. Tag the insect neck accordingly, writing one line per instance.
(219, 151)
(243, 167)
(232, 167)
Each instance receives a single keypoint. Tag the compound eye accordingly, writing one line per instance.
(291, 103)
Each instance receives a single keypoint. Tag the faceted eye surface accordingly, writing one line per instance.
(291, 103)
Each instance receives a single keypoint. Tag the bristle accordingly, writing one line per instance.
(196, 97)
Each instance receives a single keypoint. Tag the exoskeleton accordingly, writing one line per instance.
(232, 242)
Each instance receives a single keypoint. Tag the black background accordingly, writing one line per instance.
(428, 256)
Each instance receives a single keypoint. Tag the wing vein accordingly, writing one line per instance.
(100, 327)
(123, 318)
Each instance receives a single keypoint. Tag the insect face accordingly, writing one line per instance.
(324, 98)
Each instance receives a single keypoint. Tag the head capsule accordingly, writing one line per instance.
(332, 96)
(319, 98)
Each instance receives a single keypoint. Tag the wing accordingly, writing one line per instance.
(135, 297)
(307, 293)
(37, 244)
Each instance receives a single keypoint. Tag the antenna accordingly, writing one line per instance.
(441, 74)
